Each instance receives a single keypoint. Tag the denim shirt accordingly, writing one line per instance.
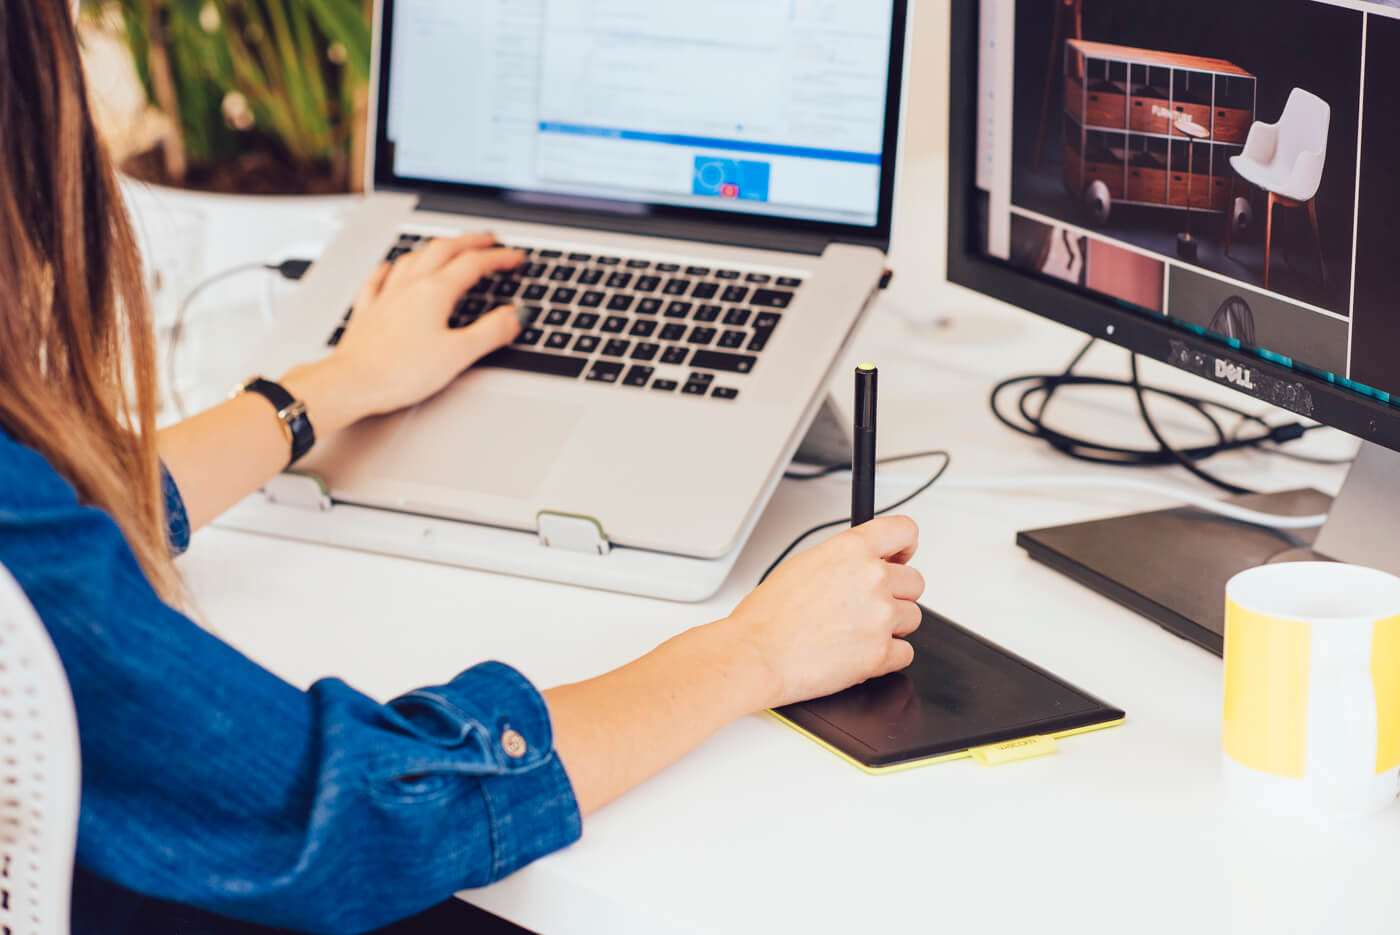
(209, 782)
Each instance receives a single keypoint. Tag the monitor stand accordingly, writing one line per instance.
(1171, 566)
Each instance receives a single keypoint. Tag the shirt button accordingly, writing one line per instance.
(513, 744)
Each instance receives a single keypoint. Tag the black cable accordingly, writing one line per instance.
(288, 269)
(1269, 449)
(831, 469)
(1102, 453)
(1177, 456)
(1033, 423)
(1195, 403)
(1068, 372)
(943, 469)
(1081, 448)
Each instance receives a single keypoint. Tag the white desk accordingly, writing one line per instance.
(760, 830)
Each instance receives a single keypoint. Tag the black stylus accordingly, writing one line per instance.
(863, 448)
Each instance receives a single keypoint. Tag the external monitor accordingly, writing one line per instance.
(1211, 184)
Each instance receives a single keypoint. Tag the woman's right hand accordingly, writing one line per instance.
(829, 618)
(835, 615)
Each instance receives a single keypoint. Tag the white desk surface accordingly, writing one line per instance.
(760, 830)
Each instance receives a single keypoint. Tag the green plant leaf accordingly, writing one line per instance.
(273, 52)
(344, 21)
(316, 119)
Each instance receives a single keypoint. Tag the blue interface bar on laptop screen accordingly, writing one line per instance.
(768, 106)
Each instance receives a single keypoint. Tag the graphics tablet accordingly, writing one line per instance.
(961, 693)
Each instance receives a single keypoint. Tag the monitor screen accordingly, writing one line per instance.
(1223, 167)
(768, 107)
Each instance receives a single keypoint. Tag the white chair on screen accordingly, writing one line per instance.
(38, 773)
(1286, 160)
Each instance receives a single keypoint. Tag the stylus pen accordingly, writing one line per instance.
(863, 449)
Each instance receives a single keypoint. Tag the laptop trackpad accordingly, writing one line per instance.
(483, 442)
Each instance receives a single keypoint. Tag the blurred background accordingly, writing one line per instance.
(246, 96)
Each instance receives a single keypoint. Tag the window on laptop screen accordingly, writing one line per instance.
(1224, 164)
(774, 107)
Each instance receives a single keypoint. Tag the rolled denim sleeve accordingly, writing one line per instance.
(208, 781)
(177, 520)
(495, 710)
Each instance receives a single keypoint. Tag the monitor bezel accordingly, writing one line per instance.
(645, 218)
(1332, 404)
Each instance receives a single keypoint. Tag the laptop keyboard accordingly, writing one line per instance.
(628, 321)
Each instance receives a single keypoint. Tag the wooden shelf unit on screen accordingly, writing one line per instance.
(1124, 113)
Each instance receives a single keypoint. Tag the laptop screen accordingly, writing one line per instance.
(782, 108)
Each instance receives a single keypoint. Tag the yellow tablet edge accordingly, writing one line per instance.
(928, 761)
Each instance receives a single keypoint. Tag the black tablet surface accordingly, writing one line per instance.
(961, 693)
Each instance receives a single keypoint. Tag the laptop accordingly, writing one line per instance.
(703, 192)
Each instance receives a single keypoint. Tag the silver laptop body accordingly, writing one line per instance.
(674, 457)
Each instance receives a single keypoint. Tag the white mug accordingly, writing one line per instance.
(1312, 688)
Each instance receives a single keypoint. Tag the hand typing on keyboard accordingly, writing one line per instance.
(679, 328)
(397, 347)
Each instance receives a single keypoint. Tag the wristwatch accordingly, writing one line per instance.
(291, 412)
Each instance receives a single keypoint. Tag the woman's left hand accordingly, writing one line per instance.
(397, 349)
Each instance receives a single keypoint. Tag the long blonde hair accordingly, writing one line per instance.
(77, 355)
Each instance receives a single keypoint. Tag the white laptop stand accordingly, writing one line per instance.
(566, 549)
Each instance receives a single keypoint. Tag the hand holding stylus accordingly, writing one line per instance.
(837, 614)
(834, 616)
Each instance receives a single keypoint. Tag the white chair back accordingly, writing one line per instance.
(1302, 128)
(39, 784)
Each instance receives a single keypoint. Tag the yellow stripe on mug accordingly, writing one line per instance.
(1385, 672)
(1312, 687)
(1266, 691)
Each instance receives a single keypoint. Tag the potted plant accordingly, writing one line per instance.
(239, 96)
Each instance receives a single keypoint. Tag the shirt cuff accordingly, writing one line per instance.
(531, 803)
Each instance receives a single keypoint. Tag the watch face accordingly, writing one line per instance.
(293, 412)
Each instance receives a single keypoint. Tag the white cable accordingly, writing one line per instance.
(1200, 501)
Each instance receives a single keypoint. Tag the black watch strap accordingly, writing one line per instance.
(296, 424)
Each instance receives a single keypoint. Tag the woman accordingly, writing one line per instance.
(208, 782)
